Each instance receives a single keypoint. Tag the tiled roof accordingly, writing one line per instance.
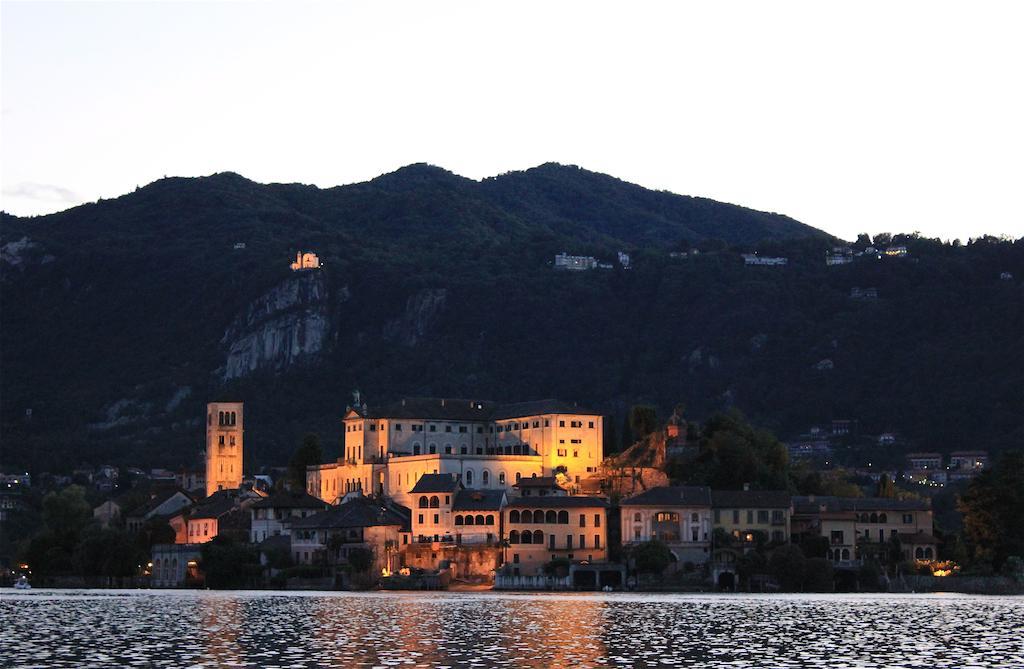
(749, 499)
(811, 505)
(556, 502)
(158, 497)
(215, 506)
(356, 512)
(460, 409)
(290, 500)
(435, 483)
(672, 496)
(538, 482)
(478, 500)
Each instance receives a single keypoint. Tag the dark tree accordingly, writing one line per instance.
(309, 453)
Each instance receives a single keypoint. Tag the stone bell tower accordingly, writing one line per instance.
(223, 446)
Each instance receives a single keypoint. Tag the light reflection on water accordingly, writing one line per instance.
(267, 629)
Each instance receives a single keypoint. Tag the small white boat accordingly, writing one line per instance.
(22, 584)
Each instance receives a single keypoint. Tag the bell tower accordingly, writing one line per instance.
(224, 422)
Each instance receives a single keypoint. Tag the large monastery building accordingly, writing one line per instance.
(485, 445)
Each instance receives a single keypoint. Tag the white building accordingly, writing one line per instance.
(754, 259)
(578, 263)
(273, 515)
(484, 444)
(678, 516)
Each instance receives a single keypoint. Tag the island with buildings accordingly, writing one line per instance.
(459, 493)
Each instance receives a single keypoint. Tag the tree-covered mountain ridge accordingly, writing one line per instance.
(123, 317)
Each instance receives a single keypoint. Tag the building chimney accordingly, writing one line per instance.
(746, 487)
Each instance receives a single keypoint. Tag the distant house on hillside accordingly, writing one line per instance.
(754, 259)
(304, 261)
(896, 251)
(564, 261)
(839, 255)
(863, 293)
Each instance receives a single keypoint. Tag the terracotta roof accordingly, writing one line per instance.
(812, 505)
(436, 483)
(356, 512)
(461, 409)
(749, 499)
(556, 502)
(479, 500)
(672, 496)
(290, 500)
(538, 482)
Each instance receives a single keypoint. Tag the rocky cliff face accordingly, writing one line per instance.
(421, 312)
(288, 325)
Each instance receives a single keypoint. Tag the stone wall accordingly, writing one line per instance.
(469, 563)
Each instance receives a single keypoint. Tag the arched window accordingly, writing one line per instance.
(486, 476)
(489, 520)
(469, 477)
(501, 478)
(434, 502)
(423, 502)
(928, 552)
(538, 537)
(551, 516)
(448, 449)
(846, 553)
(636, 517)
(527, 538)
(919, 552)
(479, 519)
(694, 518)
(527, 517)
(469, 520)
(513, 537)
(874, 518)
(220, 418)
(538, 516)
(563, 517)
(830, 555)
(883, 518)
(513, 516)
(415, 449)
(433, 449)
(458, 520)
(518, 477)
(233, 418)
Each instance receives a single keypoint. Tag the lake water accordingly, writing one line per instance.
(107, 628)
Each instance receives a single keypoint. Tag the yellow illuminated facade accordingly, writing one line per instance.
(305, 261)
(223, 446)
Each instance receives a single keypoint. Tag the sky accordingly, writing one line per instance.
(849, 116)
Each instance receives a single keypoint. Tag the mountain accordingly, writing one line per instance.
(121, 318)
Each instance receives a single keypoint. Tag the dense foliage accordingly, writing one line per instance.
(993, 512)
(113, 321)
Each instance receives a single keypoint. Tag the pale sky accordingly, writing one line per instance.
(853, 116)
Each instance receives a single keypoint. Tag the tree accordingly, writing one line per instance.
(818, 575)
(643, 420)
(361, 559)
(993, 511)
(227, 564)
(787, 565)
(309, 453)
(749, 564)
(886, 488)
(651, 557)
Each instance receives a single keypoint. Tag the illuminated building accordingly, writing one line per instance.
(223, 446)
(541, 529)
(305, 261)
(484, 444)
(678, 516)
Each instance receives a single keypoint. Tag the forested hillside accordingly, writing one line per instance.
(120, 319)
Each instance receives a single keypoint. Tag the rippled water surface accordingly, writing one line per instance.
(267, 629)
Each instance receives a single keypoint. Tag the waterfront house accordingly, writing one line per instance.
(272, 516)
(747, 515)
(328, 537)
(858, 528)
(163, 501)
(678, 516)
(538, 530)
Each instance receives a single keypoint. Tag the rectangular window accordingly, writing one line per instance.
(575, 454)
(636, 534)
(750, 516)
(591, 425)
(568, 541)
(597, 541)
(447, 428)
(583, 541)
(736, 516)
(479, 429)
(561, 452)
(718, 516)
(433, 428)
(547, 423)
(447, 499)
(421, 519)
(778, 516)
(551, 541)
(373, 427)
(398, 427)
(908, 519)
(463, 429)
(536, 423)
(561, 423)
(597, 520)
(583, 520)
(837, 538)
(515, 558)
(436, 519)
(762, 515)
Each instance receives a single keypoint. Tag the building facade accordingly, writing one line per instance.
(538, 530)
(224, 430)
(678, 516)
(483, 444)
